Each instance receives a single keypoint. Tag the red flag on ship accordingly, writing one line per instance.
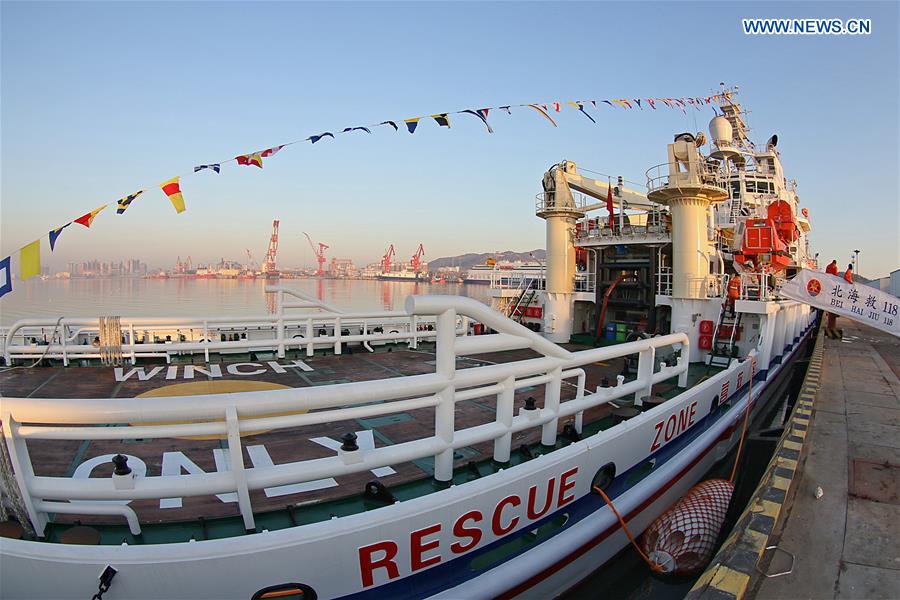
(609, 202)
(250, 159)
(87, 219)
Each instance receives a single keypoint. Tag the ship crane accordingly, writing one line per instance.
(386, 259)
(269, 267)
(571, 180)
(416, 260)
(558, 207)
(320, 254)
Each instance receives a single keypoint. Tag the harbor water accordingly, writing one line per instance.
(180, 297)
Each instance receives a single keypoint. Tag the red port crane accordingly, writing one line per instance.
(416, 260)
(320, 254)
(386, 259)
(269, 267)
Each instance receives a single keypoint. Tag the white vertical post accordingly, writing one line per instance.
(24, 472)
(682, 363)
(767, 339)
(413, 328)
(551, 406)
(62, 341)
(236, 460)
(279, 298)
(337, 335)
(132, 341)
(505, 400)
(780, 331)
(206, 340)
(310, 347)
(444, 417)
(645, 374)
(579, 394)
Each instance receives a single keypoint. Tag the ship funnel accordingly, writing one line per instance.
(720, 131)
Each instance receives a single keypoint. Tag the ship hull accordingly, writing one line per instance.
(399, 277)
(427, 546)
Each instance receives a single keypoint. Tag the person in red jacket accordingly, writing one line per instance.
(848, 274)
(831, 269)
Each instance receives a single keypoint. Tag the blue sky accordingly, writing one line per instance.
(102, 99)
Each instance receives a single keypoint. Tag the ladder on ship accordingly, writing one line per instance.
(527, 291)
(737, 207)
(724, 336)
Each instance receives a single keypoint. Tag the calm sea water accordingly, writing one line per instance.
(204, 297)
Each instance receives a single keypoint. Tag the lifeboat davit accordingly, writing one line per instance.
(682, 540)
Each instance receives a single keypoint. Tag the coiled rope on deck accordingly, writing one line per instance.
(110, 341)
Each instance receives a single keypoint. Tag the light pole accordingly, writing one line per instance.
(856, 261)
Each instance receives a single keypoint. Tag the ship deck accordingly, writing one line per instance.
(289, 505)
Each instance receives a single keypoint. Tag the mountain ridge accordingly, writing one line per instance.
(470, 259)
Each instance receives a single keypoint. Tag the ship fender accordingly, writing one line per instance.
(683, 539)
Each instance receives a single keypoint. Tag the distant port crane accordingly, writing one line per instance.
(269, 267)
(320, 254)
(386, 259)
(416, 260)
(182, 267)
(251, 264)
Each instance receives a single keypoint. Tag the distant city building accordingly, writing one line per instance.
(132, 267)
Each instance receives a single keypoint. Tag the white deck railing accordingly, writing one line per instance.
(233, 414)
(155, 337)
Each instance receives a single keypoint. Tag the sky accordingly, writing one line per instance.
(101, 99)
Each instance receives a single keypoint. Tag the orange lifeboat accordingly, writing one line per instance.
(763, 243)
(782, 215)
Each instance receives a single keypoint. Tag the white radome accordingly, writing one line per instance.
(720, 131)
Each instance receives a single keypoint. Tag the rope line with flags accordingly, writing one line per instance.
(29, 255)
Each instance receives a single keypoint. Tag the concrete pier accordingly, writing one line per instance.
(844, 541)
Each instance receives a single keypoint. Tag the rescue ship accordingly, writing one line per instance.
(449, 450)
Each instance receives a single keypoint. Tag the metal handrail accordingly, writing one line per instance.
(547, 200)
(607, 229)
(279, 332)
(658, 176)
(235, 413)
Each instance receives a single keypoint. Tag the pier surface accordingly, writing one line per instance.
(846, 543)
(825, 522)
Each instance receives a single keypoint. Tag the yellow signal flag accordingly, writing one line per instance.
(171, 189)
(30, 260)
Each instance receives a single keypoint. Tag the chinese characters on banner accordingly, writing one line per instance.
(852, 300)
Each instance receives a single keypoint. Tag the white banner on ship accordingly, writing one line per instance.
(852, 300)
